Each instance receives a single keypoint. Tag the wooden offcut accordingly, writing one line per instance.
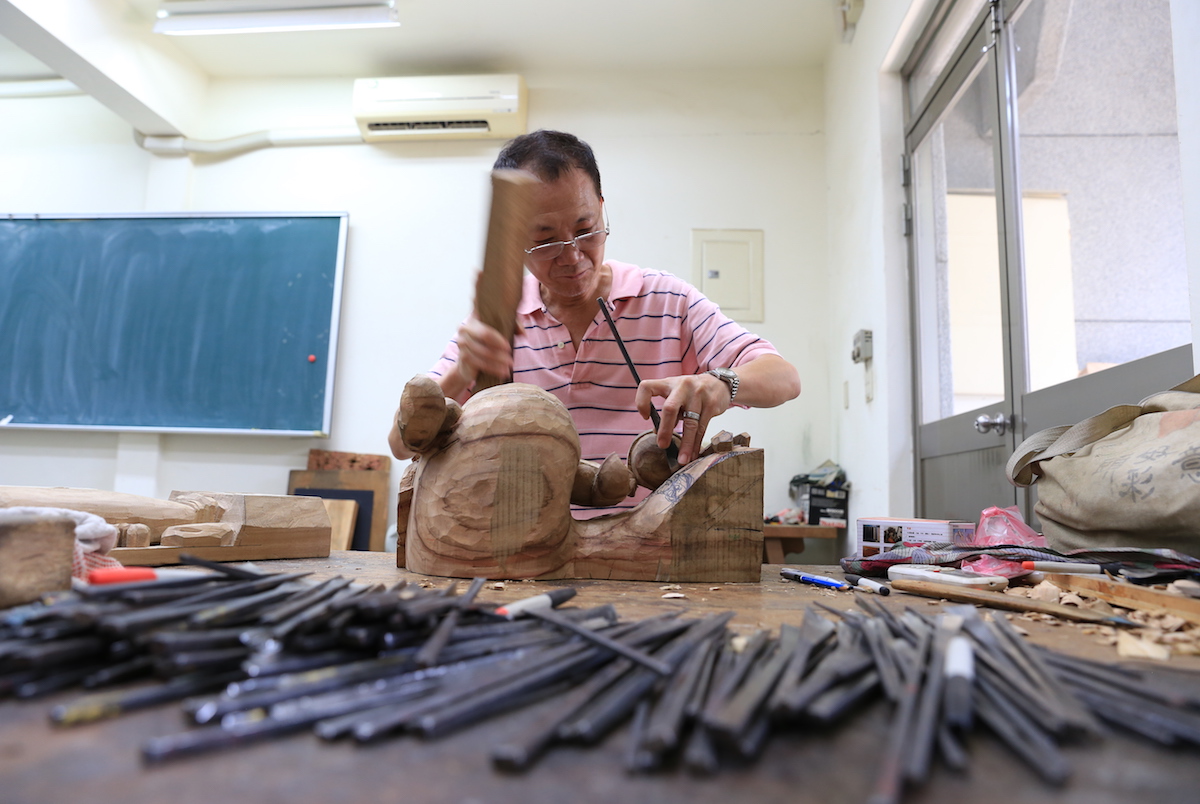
(36, 553)
(342, 514)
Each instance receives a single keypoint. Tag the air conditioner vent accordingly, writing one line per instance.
(445, 107)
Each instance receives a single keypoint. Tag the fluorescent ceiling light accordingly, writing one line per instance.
(193, 18)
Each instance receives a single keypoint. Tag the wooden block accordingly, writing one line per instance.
(373, 505)
(320, 459)
(1129, 595)
(36, 553)
(342, 514)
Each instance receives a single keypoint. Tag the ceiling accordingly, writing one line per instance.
(449, 36)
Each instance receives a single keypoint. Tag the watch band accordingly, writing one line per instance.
(730, 378)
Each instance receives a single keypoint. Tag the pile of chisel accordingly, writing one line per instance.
(251, 656)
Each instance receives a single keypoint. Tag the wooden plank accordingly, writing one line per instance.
(999, 600)
(800, 531)
(342, 514)
(377, 483)
(364, 462)
(1128, 595)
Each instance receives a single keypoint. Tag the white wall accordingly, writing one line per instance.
(677, 151)
(868, 262)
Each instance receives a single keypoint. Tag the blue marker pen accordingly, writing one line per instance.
(816, 580)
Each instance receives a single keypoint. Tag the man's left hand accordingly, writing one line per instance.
(693, 399)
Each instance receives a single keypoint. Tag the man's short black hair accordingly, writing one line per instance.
(548, 155)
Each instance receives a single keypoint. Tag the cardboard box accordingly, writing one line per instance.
(827, 507)
(877, 534)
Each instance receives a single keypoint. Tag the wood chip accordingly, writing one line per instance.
(1046, 592)
(1071, 599)
(1186, 587)
(1131, 647)
(675, 596)
(1098, 605)
(670, 587)
(498, 585)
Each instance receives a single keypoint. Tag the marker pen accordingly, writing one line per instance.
(102, 575)
(868, 585)
(815, 580)
(1068, 566)
(959, 671)
(548, 600)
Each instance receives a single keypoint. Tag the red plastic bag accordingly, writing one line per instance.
(999, 526)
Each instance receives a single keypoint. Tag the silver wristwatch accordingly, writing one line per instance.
(729, 377)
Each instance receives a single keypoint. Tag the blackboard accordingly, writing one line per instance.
(170, 322)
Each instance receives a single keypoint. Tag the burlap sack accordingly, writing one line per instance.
(1129, 477)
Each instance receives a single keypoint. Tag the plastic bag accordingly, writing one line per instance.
(1002, 526)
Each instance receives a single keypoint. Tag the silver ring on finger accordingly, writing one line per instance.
(691, 414)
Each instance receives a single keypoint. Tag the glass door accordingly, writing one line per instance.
(1048, 271)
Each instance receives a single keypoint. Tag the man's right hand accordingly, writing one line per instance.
(481, 350)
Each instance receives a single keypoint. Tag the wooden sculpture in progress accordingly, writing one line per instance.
(215, 526)
(490, 497)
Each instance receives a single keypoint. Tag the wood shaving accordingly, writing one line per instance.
(1071, 599)
(1098, 605)
(498, 585)
(714, 589)
(1132, 647)
(1169, 622)
(675, 596)
(671, 587)
(1045, 591)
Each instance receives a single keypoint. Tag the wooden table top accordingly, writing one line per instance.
(101, 762)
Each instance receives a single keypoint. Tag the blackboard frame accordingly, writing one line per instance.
(311, 418)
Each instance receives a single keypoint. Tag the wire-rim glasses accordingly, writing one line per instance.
(550, 251)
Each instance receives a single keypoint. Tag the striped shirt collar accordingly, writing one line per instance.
(626, 283)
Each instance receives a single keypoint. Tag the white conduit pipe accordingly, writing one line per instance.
(38, 88)
(181, 146)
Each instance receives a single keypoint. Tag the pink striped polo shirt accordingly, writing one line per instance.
(669, 328)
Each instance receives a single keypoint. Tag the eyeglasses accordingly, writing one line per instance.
(550, 251)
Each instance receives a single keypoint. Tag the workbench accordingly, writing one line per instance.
(101, 762)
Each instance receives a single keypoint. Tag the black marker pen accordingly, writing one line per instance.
(548, 600)
(867, 585)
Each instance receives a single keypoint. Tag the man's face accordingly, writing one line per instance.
(563, 210)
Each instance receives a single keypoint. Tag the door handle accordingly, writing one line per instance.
(999, 423)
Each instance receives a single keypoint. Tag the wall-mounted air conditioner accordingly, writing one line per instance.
(440, 107)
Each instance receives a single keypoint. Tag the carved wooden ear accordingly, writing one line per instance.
(422, 415)
(721, 442)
